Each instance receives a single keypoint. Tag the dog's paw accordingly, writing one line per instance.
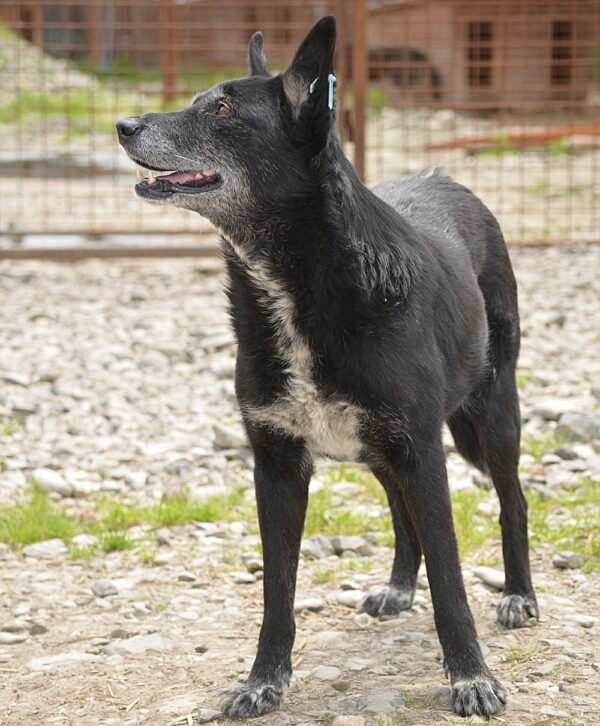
(483, 696)
(515, 610)
(386, 601)
(248, 700)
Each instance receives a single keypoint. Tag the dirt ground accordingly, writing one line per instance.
(127, 366)
(388, 670)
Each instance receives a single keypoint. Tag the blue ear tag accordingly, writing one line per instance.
(331, 79)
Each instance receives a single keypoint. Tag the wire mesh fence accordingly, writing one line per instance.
(504, 94)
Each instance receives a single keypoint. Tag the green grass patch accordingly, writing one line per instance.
(9, 427)
(500, 146)
(537, 446)
(570, 523)
(34, 520)
(38, 518)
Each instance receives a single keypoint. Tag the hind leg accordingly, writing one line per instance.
(487, 431)
(389, 600)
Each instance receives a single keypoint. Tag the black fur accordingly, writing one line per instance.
(387, 312)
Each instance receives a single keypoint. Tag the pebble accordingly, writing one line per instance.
(104, 588)
(52, 481)
(569, 560)
(586, 621)
(243, 578)
(491, 577)
(253, 564)
(349, 598)
(344, 720)
(351, 543)
(49, 663)
(326, 673)
(316, 547)
(186, 576)
(204, 715)
(579, 427)
(85, 540)
(440, 697)
(49, 549)
(12, 638)
(313, 604)
(383, 700)
(229, 437)
(139, 644)
(16, 625)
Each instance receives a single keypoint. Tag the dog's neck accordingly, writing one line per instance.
(333, 216)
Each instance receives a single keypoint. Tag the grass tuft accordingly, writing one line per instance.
(36, 519)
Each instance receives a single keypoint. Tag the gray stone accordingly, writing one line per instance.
(136, 479)
(12, 638)
(314, 604)
(186, 576)
(351, 543)
(243, 578)
(316, 547)
(579, 427)
(52, 481)
(383, 700)
(586, 621)
(344, 720)
(204, 715)
(491, 577)
(104, 588)
(440, 697)
(229, 437)
(62, 660)
(551, 409)
(350, 598)
(50, 549)
(139, 644)
(326, 673)
(16, 625)
(253, 564)
(569, 560)
(85, 540)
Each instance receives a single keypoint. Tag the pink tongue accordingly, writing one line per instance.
(179, 177)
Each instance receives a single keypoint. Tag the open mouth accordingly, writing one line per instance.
(177, 182)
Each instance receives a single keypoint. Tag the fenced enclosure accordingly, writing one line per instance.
(506, 95)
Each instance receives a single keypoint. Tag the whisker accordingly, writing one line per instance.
(186, 158)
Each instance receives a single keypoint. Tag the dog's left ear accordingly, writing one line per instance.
(257, 61)
(308, 84)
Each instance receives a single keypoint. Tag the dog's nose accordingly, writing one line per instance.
(128, 127)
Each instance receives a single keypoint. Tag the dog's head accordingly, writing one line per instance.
(242, 141)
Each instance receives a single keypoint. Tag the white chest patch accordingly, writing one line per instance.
(329, 427)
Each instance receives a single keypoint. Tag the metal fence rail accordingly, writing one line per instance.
(505, 94)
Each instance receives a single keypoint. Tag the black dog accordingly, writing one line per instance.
(364, 320)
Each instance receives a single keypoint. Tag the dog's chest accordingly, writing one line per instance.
(329, 425)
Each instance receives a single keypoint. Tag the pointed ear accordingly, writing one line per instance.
(257, 61)
(305, 82)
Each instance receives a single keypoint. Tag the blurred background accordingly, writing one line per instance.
(505, 94)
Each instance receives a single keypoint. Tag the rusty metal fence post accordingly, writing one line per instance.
(359, 83)
(168, 50)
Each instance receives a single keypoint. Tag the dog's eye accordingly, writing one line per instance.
(223, 109)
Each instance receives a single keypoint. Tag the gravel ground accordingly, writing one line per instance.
(116, 378)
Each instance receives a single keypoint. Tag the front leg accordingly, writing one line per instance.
(282, 472)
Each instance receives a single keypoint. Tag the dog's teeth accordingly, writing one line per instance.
(199, 176)
(210, 172)
(151, 179)
(139, 175)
